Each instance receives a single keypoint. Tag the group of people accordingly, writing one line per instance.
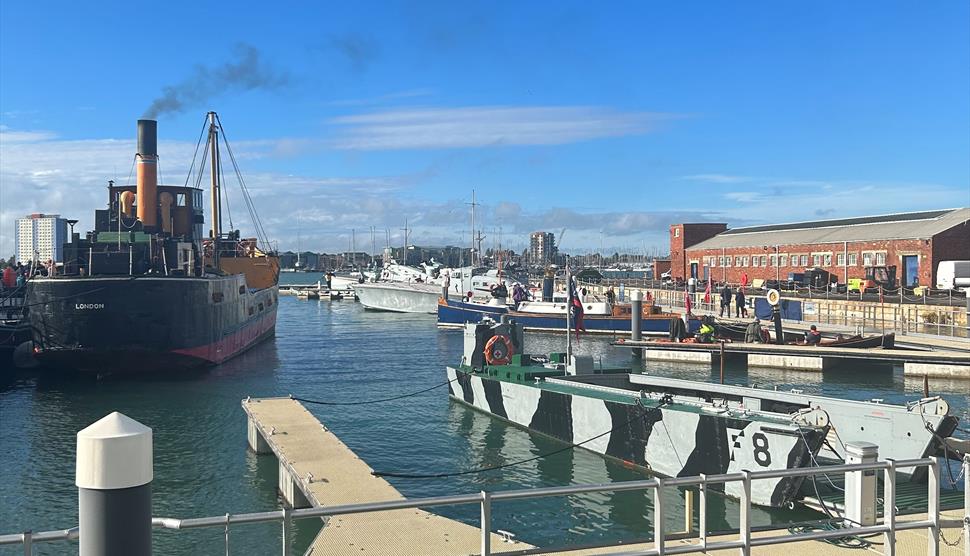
(16, 275)
(740, 308)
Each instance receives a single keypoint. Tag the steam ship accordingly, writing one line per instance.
(148, 290)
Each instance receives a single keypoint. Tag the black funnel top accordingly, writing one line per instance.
(148, 137)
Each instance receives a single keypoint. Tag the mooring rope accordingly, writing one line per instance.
(402, 396)
(505, 465)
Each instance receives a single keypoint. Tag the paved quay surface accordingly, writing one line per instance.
(338, 476)
(331, 474)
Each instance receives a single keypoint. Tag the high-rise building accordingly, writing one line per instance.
(542, 248)
(41, 238)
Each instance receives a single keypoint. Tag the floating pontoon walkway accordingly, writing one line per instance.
(317, 469)
(940, 364)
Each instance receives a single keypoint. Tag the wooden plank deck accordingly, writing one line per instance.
(329, 473)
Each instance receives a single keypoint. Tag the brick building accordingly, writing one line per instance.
(912, 242)
(684, 236)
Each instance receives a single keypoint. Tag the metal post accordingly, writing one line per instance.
(860, 486)
(114, 476)
(287, 526)
(889, 508)
(966, 504)
(658, 518)
(28, 539)
(702, 512)
(636, 313)
(486, 524)
(745, 525)
(721, 358)
(933, 508)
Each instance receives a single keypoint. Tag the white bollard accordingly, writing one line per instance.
(114, 475)
(860, 486)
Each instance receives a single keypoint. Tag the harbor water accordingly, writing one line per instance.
(336, 351)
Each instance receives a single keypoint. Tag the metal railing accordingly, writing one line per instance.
(907, 316)
(889, 527)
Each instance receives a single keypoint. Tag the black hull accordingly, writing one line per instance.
(146, 324)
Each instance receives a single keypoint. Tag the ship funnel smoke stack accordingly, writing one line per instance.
(147, 173)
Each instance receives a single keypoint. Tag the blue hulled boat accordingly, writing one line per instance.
(600, 317)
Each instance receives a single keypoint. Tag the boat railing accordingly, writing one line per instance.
(702, 540)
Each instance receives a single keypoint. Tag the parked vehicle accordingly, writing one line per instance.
(952, 275)
(876, 277)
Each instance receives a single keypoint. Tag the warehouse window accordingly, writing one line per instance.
(853, 259)
(840, 259)
(755, 261)
(782, 260)
(828, 260)
(737, 261)
(773, 260)
(880, 258)
(804, 260)
(744, 261)
(866, 258)
(816, 260)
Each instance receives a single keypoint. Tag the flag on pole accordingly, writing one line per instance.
(688, 303)
(707, 292)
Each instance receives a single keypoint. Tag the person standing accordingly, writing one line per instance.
(740, 310)
(725, 301)
(744, 279)
(446, 285)
(610, 296)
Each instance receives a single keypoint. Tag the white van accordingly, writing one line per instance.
(953, 275)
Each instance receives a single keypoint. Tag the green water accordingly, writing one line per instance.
(337, 351)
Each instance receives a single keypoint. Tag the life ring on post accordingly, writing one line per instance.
(499, 350)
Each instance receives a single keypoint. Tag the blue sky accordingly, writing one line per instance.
(612, 121)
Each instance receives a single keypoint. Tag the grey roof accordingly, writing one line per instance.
(912, 225)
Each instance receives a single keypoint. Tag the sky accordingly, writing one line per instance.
(604, 123)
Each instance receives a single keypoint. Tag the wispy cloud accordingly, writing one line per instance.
(485, 126)
(717, 178)
(8, 135)
(385, 98)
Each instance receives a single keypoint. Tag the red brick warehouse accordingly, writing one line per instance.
(912, 242)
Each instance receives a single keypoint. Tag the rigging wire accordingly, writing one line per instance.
(257, 224)
(188, 176)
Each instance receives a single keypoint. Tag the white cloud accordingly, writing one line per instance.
(485, 126)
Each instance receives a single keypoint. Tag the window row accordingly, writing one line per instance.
(869, 258)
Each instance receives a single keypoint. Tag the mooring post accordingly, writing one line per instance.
(114, 476)
(860, 486)
(636, 314)
(721, 357)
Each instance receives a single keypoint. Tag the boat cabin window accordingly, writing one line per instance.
(242, 289)
(180, 199)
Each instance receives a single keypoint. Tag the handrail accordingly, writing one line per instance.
(888, 527)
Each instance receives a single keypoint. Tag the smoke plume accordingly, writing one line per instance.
(247, 72)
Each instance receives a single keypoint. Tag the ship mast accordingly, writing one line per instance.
(214, 175)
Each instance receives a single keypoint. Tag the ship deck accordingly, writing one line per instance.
(561, 385)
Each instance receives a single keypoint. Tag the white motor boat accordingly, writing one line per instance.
(400, 297)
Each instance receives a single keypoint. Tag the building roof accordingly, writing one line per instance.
(910, 225)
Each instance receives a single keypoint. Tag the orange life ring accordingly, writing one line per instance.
(499, 350)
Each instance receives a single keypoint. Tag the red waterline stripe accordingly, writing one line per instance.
(227, 347)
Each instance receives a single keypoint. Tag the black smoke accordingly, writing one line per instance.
(245, 73)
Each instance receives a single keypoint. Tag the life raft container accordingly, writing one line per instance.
(499, 350)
